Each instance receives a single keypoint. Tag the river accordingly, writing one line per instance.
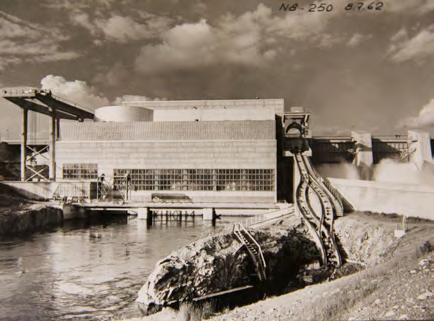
(86, 270)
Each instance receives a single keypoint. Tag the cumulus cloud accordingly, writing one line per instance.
(121, 29)
(76, 91)
(425, 119)
(21, 41)
(81, 93)
(404, 48)
(357, 39)
(253, 38)
(184, 46)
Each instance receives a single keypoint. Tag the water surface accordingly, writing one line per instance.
(86, 270)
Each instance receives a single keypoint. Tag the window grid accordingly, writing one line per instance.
(170, 179)
(79, 171)
(196, 179)
(199, 180)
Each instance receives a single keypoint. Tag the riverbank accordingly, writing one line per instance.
(394, 283)
(19, 215)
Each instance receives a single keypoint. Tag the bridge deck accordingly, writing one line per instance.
(177, 205)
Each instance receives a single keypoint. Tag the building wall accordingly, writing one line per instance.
(168, 154)
(182, 145)
(162, 131)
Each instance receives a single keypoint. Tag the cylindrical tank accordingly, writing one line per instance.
(123, 114)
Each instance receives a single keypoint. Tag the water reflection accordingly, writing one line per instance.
(86, 270)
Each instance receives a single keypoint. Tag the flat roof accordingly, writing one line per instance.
(277, 103)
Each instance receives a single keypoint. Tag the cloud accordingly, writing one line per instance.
(357, 39)
(122, 29)
(421, 46)
(184, 46)
(400, 36)
(21, 41)
(419, 7)
(70, 5)
(76, 91)
(79, 92)
(328, 40)
(253, 38)
(425, 119)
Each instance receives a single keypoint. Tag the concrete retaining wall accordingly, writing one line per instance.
(407, 199)
(33, 190)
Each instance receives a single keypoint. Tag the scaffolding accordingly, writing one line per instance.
(43, 102)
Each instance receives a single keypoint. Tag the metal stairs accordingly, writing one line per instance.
(253, 248)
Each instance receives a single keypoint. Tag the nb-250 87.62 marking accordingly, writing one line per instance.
(328, 7)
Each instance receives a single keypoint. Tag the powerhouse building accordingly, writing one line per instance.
(232, 153)
(208, 151)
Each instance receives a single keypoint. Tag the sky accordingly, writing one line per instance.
(367, 70)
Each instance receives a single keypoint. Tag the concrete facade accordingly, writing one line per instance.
(419, 148)
(363, 149)
(245, 149)
(169, 154)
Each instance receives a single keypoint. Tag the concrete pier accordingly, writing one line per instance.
(363, 158)
(419, 147)
(208, 214)
(143, 213)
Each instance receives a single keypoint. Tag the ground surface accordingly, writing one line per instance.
(397, 282)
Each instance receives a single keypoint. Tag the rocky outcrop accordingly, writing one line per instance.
(220, 262)
(20, 215)
(29, 218)
(366, 238)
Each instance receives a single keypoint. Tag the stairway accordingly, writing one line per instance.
(253, 248)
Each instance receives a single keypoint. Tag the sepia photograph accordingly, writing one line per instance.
(221, 160)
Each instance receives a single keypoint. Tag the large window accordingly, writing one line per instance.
(196, 179)
(170, 179)
(229, 179)
(200, 179)
(259, 180)
(140, 179)
(80, 171)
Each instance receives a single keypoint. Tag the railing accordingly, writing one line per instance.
(324, 239)
(72, 190)
(334, 192)
(261, 254)
(405, 155)
(266, 217)
(253, 248)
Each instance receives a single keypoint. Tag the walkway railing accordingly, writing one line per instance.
(265, 218)
(253, 248)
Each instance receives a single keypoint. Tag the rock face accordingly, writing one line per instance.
(29, 219)
(366, 239)
(20, 215)
(221, 262)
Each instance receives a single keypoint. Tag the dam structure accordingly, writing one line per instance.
(196, 157)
